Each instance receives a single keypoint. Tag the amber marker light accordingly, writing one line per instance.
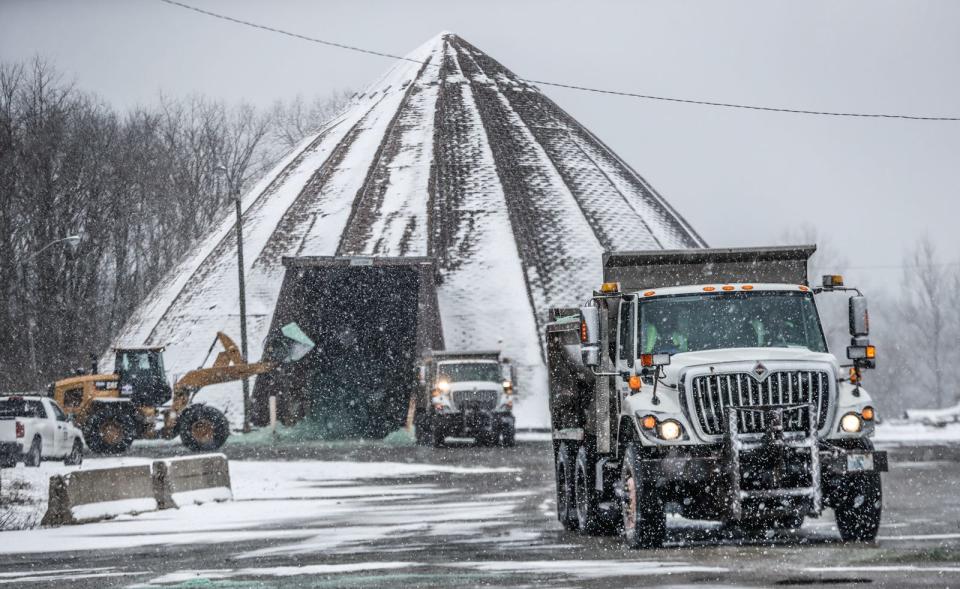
(649, 293)
(727, 287)
(634, 383)
(871, 352)
(747, 287)
(709, 288)
(649, 422)
(867, 414)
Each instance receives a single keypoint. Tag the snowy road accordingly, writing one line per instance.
(366, 515)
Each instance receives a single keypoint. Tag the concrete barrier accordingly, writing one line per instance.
(191, 480)
(91, 495)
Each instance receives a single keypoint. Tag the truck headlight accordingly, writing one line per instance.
(851, 423)
(670, 429)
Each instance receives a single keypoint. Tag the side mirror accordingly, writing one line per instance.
(590, 336)
(859, 317)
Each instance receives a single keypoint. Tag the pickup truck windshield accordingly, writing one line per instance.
(14, 408)
(478, 371)
(760, 319)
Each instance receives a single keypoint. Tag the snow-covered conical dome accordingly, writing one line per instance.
(449, 155)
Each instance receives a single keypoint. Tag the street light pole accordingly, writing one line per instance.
(72, 241)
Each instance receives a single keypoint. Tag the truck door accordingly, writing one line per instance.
(626, 344)
(46, 427)
(63, 431)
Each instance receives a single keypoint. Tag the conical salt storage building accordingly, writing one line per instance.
(451, 156)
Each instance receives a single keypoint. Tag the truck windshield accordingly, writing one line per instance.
(476, 371)
(760, 319)
(13, 408)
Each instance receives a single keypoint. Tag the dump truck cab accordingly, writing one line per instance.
(466, 394)
(718, 400)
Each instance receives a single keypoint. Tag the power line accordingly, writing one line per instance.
(570, 86)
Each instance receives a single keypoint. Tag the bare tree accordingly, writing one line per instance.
(140, 187)
(928, 325)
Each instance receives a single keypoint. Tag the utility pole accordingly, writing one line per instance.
(234, 192)
(243, 306)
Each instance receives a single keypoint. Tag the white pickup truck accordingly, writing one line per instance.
(34, 429)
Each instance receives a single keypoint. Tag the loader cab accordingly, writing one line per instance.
(142, 377)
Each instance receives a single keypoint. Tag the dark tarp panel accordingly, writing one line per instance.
(371, 319)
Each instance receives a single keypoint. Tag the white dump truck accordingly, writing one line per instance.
(699, 382)
(466, 394)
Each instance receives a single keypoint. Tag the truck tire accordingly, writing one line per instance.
(33, 456)
(566, 500)
(75, 457)
(644, 517)
(110, 430)
(858, 506)
(508, 435)
(203, 428)
(591, 519)
(421, 429)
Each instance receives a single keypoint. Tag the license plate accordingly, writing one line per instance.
(859, 462)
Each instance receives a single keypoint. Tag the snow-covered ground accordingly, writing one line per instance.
(266, 494)
(902, 433)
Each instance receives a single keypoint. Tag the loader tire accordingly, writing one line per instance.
(110, 430)
(508, 435)
(566, 501)
(203, 428)
(858, 507)
(642, 508)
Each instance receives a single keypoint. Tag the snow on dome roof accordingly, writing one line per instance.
(453, 157)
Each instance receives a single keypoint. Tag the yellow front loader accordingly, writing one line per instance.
(115, 409)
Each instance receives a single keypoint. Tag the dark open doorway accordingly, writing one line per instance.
(371, 319)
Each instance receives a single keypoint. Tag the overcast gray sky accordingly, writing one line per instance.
(871, 186)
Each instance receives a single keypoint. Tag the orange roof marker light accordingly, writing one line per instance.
(649, 293)
(804, 288)
(709, 288)
(727, 287)
(610, 287)
(747, 287)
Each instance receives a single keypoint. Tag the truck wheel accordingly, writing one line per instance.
(644, 518)
(110, 431)
(33, 456)
(203, 428)
(566, 503)
(421, 428)
(858, 506)
(590, 518)
(75, 457)
(508, 435)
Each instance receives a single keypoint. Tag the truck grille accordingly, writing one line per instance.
(483, 400)
(714, 393)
